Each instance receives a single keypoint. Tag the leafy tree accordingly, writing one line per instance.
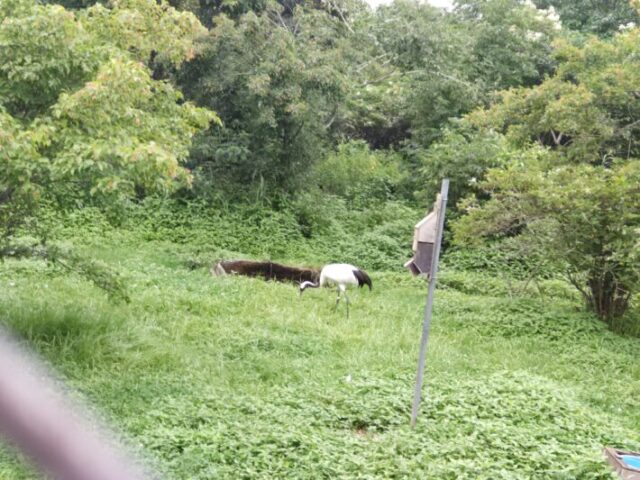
(575, 175)
(146, 29)
(462, 155)
(428, 82)
(511, 41)
(122, 134)
(80, 116)
(207, 10)
(589, 111)
(80, 109)
(448, 64)
(582, 215)
(43, 51)
(276, 93)
(22, 173)
(372, 103)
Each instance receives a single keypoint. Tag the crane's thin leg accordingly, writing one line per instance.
(346, 297)
(337, 300)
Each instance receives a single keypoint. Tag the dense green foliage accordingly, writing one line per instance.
(584, 216)
(275, 94)
(83, 121)
(228, 377)
(600, 17)
(571, 184)
(81, 117)
(142, 141)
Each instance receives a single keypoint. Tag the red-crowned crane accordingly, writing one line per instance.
(340, 274)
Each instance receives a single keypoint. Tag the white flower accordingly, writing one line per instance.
(533, 36)
(548, 14)
(553, 16)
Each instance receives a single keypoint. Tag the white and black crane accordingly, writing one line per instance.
(341, 275)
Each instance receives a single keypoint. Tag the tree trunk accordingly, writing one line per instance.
(606, 296)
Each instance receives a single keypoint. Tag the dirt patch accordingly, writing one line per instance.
(265, 270)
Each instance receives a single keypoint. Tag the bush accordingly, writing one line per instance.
(501, 259)
(358, 174)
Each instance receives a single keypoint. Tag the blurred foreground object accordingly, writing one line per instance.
(60, 438)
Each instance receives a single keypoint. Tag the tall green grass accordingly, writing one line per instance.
(314, 229)
(239, 378)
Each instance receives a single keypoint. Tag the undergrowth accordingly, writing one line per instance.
(239, 378)
(378, 237)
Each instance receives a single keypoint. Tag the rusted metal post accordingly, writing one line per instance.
(429, 307)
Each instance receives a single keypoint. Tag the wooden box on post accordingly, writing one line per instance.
(424, 240)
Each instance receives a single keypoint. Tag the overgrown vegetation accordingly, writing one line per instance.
(572, 187)
(141, 141)
(233, 377)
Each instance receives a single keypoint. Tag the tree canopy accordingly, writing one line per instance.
(574, 169)
(81, 114)
(599, 17)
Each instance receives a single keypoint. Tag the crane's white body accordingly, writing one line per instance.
(341, 275)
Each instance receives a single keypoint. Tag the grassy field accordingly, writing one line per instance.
(239, 378)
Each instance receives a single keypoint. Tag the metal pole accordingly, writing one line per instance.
(427, 311)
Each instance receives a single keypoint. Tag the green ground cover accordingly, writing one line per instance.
(240, 378)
